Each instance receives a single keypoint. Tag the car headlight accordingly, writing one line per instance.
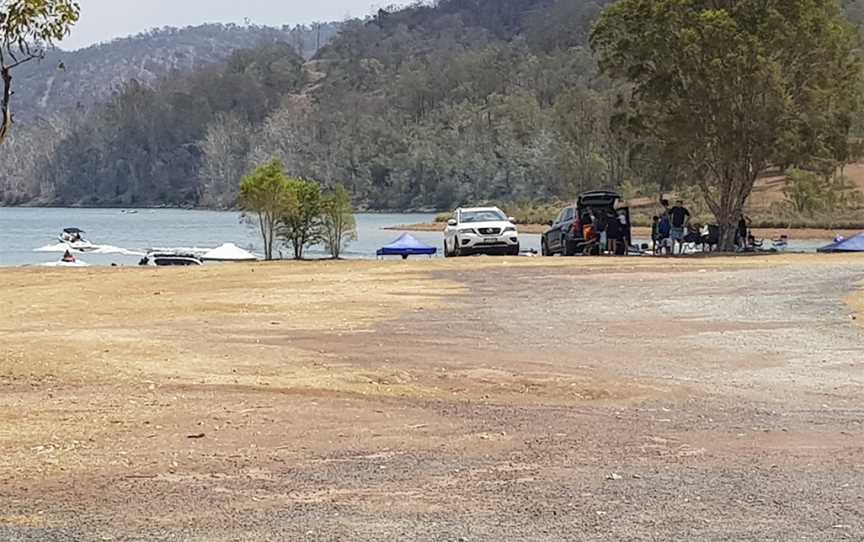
(467, 230)
(509, 229)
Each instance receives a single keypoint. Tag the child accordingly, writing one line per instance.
(664, 229)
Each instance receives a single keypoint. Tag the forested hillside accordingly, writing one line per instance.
(82, 78)
(465, 101)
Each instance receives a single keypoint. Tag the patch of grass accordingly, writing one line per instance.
(22, 521)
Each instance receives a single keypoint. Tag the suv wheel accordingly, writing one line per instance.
(567, 248)
(514, 251)
(457, 250)
(544, 248)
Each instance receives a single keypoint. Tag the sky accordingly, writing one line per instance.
(104, 20)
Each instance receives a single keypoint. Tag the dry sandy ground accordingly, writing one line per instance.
(478, 399)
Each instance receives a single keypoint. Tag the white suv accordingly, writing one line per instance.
(480, 230)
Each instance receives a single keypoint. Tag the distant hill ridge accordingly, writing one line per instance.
(69, 79)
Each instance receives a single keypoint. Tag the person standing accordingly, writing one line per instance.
(614, 231)
(655, 234)
(601, 226)
(743, 227)
(679, 216)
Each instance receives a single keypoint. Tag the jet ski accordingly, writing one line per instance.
(68, 260)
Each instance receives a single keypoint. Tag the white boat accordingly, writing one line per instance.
(229, 252)
(89, 249)
(74, 237)
(77, 263)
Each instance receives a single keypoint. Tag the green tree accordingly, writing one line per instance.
(266, 197)
(731, 87)
(339, 226)
(27, 28)
(300, 222)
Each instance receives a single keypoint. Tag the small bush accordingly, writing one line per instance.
(812, 195)
(630, 190)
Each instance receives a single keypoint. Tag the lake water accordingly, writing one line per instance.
(24, 229)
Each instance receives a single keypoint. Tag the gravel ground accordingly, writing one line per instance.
(601, 404)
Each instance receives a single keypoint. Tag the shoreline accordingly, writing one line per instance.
(810, 234)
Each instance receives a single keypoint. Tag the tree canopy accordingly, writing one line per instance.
(27, 27)
(265, 198)
(728, 88)
(338, 225)
(300, 223)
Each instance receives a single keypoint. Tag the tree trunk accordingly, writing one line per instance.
(728, 205)
(727, 219)
(728, 233)
(266, 228)
(298, 247)
(6, 74)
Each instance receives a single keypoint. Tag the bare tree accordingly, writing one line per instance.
(225, 148)
(26, 160)
(288, 135)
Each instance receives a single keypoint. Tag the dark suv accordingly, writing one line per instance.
(566, 235)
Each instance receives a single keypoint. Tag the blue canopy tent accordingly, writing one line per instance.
(853, 244)
(405, 246)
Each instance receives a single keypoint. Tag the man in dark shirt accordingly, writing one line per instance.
(741, 237)
(679, 216)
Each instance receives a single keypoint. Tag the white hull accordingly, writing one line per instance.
(66, 264)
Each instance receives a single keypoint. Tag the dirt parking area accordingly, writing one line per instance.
(478, 399)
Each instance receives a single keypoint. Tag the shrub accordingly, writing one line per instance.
(264, 198)
(338, 225)
(300, 224)
(811, 195)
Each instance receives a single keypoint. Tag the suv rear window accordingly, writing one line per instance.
(598, 199)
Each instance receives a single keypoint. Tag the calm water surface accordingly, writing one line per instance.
(22, 230)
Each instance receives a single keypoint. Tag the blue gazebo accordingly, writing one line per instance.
(407, 245)
(853, 244)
